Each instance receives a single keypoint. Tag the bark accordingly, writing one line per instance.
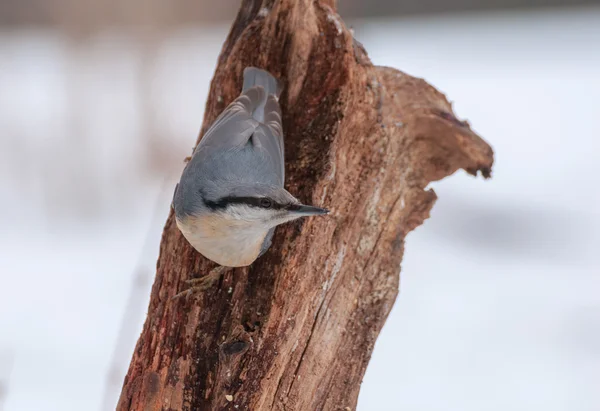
(295, 331)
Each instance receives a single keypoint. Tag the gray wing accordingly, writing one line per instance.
(269, 136)
(266, 242)
(237, 124)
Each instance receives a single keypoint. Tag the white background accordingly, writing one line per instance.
(499, 306)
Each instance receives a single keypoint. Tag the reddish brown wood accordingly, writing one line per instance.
(295, 331)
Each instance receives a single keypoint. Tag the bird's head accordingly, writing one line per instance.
(246, 207)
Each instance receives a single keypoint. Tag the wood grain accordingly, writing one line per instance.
(295, 331)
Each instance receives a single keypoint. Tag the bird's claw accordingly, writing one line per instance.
(202, 283)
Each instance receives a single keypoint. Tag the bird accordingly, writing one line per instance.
(231, 194)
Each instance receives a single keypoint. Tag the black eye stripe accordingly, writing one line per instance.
(250, 201)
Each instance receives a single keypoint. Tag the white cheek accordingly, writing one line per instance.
(251, 214)
(285, 218)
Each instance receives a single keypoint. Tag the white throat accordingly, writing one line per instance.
(230, 242)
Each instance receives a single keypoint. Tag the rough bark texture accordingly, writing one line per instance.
(295, 330)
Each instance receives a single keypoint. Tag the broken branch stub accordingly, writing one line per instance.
(295, 330)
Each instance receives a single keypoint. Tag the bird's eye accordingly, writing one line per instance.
(265, 203)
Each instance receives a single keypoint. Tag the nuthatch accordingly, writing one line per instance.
(230, 197)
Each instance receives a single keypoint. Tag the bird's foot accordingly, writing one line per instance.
(202, 283)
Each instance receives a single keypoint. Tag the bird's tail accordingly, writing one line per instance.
(256, 77)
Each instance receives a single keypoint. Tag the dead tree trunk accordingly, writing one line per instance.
(295, 330)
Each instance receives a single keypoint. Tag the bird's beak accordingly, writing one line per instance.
(306, 210)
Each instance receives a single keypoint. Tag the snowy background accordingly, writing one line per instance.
(499, 306)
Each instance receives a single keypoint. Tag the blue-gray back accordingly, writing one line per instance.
(241, 150)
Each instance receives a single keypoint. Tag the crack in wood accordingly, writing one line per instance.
(333, 117)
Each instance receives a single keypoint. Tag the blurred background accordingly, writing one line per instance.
(499, 305)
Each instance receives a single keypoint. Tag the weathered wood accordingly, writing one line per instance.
(295, 330)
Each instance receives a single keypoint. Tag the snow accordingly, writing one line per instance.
(498, 307)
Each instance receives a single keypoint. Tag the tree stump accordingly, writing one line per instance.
(295, 331)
